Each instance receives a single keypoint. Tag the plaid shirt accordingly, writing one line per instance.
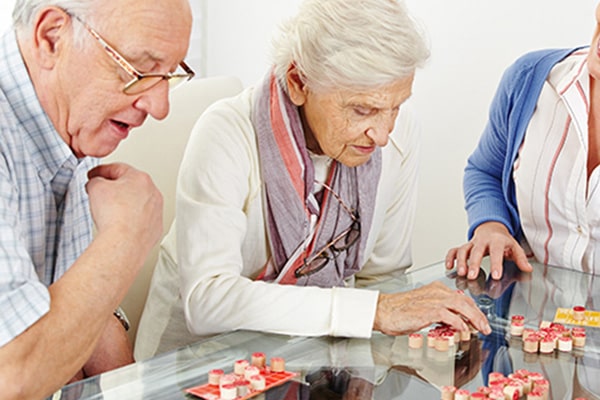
(45, 221)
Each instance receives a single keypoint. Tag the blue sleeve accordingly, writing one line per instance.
(482, 182)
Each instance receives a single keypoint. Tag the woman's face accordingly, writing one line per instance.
(348, 125)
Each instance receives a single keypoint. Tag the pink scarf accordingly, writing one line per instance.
(288, 201)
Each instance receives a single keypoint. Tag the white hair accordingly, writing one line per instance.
(25, 12)
(350, 44)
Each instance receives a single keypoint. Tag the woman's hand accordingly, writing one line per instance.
(407, 312)
(491, 238)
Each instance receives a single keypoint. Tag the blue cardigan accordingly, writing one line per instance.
(488, 185)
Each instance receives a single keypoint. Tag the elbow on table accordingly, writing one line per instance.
(201, 321)
(207, 306)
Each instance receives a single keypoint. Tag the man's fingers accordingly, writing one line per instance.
(108, 171)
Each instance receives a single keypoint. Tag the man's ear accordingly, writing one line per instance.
(296, 85)
(51, 29)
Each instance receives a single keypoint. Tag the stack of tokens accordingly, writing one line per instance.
(246, 376)
(441, 337)
(549, 337)
(521, 384)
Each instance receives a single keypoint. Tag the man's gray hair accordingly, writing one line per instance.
(25, 11)
(350, 44)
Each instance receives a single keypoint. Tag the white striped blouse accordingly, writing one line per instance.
(558, 205)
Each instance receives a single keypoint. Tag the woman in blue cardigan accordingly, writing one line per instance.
(531, 184)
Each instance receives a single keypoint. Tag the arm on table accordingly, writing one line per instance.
(127, 210)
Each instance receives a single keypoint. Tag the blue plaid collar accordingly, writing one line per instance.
(49, 151)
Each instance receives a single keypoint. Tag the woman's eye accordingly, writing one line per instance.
(362, 111)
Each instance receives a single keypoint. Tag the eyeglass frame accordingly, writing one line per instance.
(130, 69)
(330, 247)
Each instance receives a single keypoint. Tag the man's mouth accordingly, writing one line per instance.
(120, 124)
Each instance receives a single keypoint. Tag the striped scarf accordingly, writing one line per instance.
(289, 203)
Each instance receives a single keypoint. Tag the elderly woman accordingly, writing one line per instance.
(289, 200)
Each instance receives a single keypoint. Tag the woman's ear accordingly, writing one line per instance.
(296, 86)
(51, 26)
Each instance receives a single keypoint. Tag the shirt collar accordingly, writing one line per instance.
(48, 150)
(571, 71)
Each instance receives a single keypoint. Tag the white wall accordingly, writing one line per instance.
(6, 7)
(472, 42)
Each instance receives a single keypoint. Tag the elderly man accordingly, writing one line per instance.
(76, 77)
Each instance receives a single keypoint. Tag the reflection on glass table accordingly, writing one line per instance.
(384, 367)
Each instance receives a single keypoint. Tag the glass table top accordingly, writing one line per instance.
(384, 367)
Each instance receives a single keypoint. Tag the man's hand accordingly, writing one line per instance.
(125, 201)
(403, 313)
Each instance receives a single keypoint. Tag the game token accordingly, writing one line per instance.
(536, 394)
(239, 366)
(448, 392)
(496, 394)
(227, 379)
(565, 343)
(531, 345)
(431, 337)
(545, 324)
(243, 386)
(512, 392)
(258, 359)
(526, 332)
(250, 371)
(517, 318)
(578, 339)
(578, 313)
(415, 340)
(214, 376)
(516, 328)
(442, 343)
(547, 345)
(228, 391)
(277, 364)
(462, 394)
(257, 382)
(542, 384)
(494, 377)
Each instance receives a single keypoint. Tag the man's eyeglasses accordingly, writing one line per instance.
(140, 82)
(339, 244)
